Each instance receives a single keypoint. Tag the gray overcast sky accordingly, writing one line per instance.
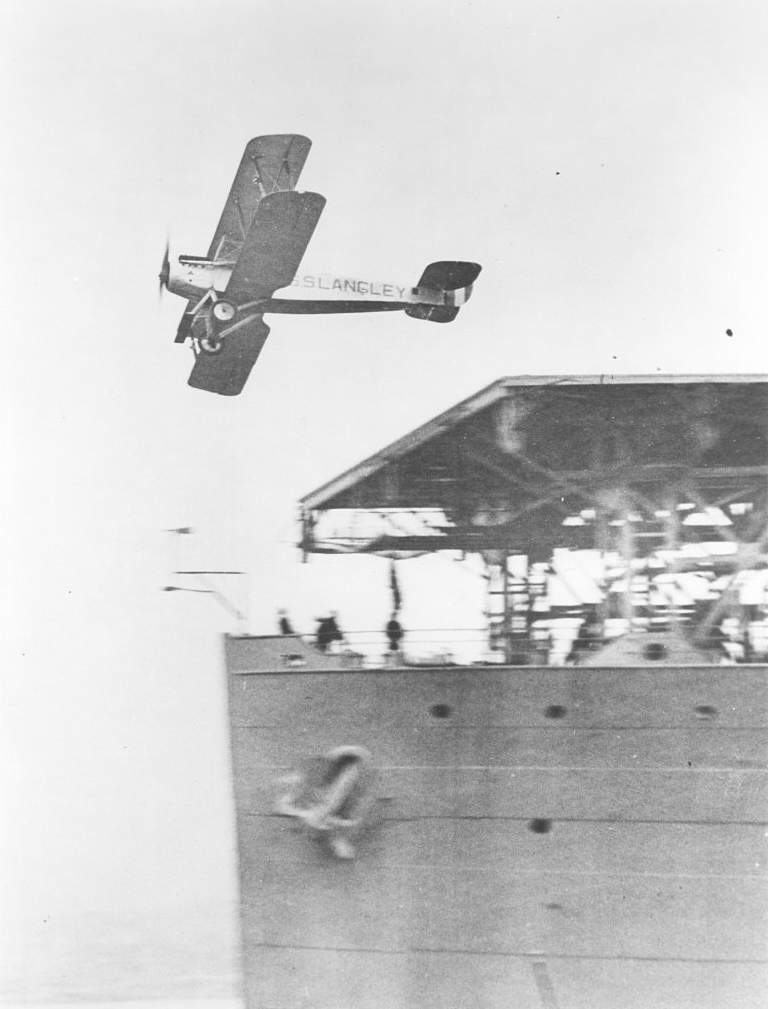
(604, 161)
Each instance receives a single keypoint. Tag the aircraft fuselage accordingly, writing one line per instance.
(198, 278)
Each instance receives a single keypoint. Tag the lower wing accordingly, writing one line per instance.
(226, 371)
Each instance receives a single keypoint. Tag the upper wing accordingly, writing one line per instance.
(276, 242)
(227, 372)
(269, 165)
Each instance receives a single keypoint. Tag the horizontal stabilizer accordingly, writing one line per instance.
(433, 313)
(454, 279)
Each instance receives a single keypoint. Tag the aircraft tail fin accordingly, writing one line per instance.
(453, 280)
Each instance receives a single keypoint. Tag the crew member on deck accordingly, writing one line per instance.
(334, 630)
(284, 623)
(395, 633)
(328, 632)
(588, 640)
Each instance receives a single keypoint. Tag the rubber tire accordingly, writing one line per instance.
(210, 348)
(223, 311)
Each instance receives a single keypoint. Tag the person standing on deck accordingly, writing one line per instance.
(328, 632)
(284, 623)
(395, 633)
(334, 631)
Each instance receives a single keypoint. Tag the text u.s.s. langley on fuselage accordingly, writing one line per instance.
(348, 285)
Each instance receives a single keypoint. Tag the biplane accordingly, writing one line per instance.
(252, 268)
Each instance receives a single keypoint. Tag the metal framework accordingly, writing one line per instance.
(673, 468)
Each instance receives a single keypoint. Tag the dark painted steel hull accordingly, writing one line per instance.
(567, 838)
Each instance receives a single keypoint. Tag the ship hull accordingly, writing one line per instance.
(554, 838)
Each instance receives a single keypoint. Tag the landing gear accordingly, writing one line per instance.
(223, 311)
(214, 319)
(211, 344)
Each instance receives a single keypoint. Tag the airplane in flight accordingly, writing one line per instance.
(252, 268)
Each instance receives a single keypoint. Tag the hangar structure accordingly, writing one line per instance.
(660, 473)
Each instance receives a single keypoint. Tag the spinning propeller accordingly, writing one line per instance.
(165, 270)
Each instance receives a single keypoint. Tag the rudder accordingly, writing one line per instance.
(446, 277)
(449, 275)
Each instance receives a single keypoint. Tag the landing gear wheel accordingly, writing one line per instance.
(224, 311)
(211, 345)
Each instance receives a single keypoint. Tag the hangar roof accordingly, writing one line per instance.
(508, 466)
